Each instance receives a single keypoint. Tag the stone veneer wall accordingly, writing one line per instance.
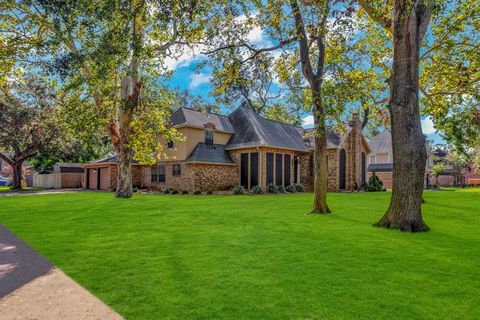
(215, 176)
(307, 170)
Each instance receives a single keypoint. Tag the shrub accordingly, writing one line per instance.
(173, 191)
(184, 191)
(291, 189)
(257, 190)
(356, 187)
(271, 188)
(280, 189)
(374, 184)
(299, 188)
(196, 191)
(210, 190)
(238, 190)
(166, 191)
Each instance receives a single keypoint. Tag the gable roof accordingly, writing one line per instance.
(381, 143)
(334, 139)
(251, 130)
(194, 118)
(214, 154)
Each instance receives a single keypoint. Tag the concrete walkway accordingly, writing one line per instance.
(31, 288)
(46, 191)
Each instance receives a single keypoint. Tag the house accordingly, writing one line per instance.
(468, 176)
(380, 160)
(242, 148)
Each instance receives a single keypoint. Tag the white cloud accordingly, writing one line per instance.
(307, 122)
(199, 79)
(427, 126)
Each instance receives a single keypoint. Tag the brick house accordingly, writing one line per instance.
(242, 148)
(380, 160)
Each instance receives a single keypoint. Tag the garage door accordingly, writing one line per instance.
(104, 179)
(92, 178)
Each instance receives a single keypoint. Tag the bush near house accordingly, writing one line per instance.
(374, 184)
(238, 190)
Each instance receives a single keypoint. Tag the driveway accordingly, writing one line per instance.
(32, 288)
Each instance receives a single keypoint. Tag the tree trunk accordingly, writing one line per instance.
(124, 154)
(320, 185)
(124, 177)
(17, 175)
(408, 141)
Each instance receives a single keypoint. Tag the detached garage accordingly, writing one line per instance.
(102, 174)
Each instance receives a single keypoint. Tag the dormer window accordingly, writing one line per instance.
(209, 137)
(373, 158)
(170, 144)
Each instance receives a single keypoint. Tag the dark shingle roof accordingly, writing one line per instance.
(213, 154)
(381, 143)
(380, 167)
(334, 139)
(252, 129)
(191, 117)
(111, 159)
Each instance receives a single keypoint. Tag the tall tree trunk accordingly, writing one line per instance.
(408, 141)
(320, 185)
(124, 177)
(17, 175)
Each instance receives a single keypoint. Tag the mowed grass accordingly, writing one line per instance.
(259, 257)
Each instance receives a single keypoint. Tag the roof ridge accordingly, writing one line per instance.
(288, 124)
(192, 109)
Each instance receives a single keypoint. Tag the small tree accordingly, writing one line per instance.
(27, 123)
(438, 170)
(374, 184)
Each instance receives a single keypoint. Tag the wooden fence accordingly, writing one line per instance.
(58, 180)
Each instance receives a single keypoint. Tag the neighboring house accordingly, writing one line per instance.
(450, 178)
(380, 160)
(242, 148)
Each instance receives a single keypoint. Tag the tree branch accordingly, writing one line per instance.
(381, 19)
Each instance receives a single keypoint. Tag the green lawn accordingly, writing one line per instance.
(4, 189)
(259, 257)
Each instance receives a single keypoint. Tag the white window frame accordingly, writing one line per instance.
(374, 157)
(390, 158)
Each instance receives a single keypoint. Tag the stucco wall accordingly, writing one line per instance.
(192, 137)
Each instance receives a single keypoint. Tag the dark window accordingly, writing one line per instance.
(254, 169)
(177, 169)
(158, 174)
(278, 169)
(170, 144)
(162, 170)
(364, 178)
(154, 176)
(295, 170)
(269, 168)
(343, 169)
(244, 170)
(286, 171)
(209, 137)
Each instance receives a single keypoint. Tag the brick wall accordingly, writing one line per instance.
(386, 177)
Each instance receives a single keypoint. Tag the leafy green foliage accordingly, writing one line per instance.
(238, 190)
(257, 190)
(374, 184)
